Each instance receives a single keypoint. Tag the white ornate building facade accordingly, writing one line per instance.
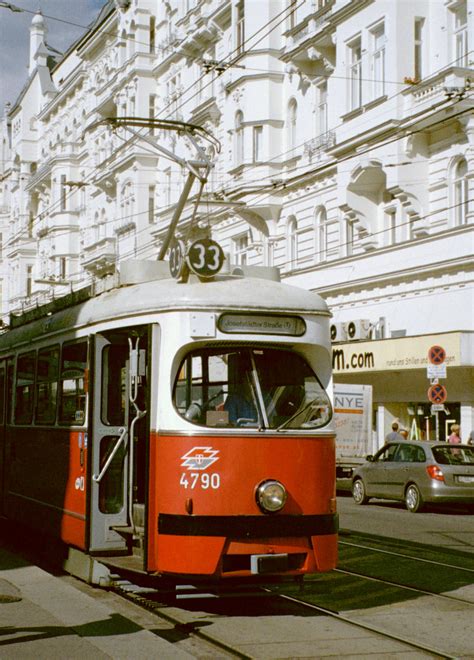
(347, 160)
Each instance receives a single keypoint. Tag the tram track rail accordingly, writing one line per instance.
(398, 585)
(402, 555)
(138, 597)
(437, 653)
(233, 651)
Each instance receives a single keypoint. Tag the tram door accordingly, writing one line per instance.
(109, 443)
(6, 386)
(118, 436)
(3, 382)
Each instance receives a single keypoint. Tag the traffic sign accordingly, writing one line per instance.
(437, 394)
(436, 355)
(436, 371)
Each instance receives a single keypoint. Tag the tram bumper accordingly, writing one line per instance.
(228, 546)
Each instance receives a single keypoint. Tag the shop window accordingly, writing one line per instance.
(73, 384)
(24, 387)
(47, 368)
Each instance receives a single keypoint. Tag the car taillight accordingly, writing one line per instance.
(435, 472)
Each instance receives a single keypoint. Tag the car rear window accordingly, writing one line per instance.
(454, 455)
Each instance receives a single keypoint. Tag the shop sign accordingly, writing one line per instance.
(399, 354)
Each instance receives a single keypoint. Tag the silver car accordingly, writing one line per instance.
(417, 472)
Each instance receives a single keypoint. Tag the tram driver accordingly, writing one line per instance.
(240, 402)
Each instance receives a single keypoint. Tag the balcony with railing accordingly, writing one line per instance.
(99, 258)
(318, 145)
(313, 26)
(453, 84)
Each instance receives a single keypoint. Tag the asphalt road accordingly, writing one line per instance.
(448, 528)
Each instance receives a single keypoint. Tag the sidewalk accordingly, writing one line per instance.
(42, 616)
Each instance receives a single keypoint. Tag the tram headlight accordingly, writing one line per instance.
(271, 496)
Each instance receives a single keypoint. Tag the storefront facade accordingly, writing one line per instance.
(399, 371)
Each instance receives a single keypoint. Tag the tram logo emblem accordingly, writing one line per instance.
(199, 458)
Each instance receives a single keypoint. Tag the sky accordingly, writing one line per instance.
(71, 20)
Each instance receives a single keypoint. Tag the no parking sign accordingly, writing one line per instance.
(437, 393)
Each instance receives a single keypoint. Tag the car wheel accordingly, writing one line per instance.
(413, 499)
(358, 492)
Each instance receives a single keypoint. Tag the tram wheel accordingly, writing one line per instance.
(413, 499)
(358, 492)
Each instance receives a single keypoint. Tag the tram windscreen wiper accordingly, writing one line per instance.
(314, 404)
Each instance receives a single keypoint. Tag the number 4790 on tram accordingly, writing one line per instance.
(174, 430)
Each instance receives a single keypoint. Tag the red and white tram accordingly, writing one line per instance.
(175, 430)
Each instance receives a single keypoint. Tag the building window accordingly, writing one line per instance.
(62, 268)
(418, 48)
(240, 27)
(378, 61)
(257, 135)
(240, 248)
(1, 246)
(355, 74)
(390, 227)
(292, 236)
(350, 236)
(152, 110)
(461, 49)
(167, 187)
(152, 33)
(63, 192)
(151, 204)
(460, 193)
(239, 138)
(291, 124)
(322, 109)
(292, 14)
(321, 235)
(29, 280)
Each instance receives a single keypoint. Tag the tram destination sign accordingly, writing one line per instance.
(264, 324)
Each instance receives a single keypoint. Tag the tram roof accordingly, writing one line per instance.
(139, 300)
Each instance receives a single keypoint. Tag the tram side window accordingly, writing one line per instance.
(73, 384)
(47, 369)
(24, 392)
(2, 394)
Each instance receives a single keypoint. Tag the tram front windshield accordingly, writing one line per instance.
(261, 388)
